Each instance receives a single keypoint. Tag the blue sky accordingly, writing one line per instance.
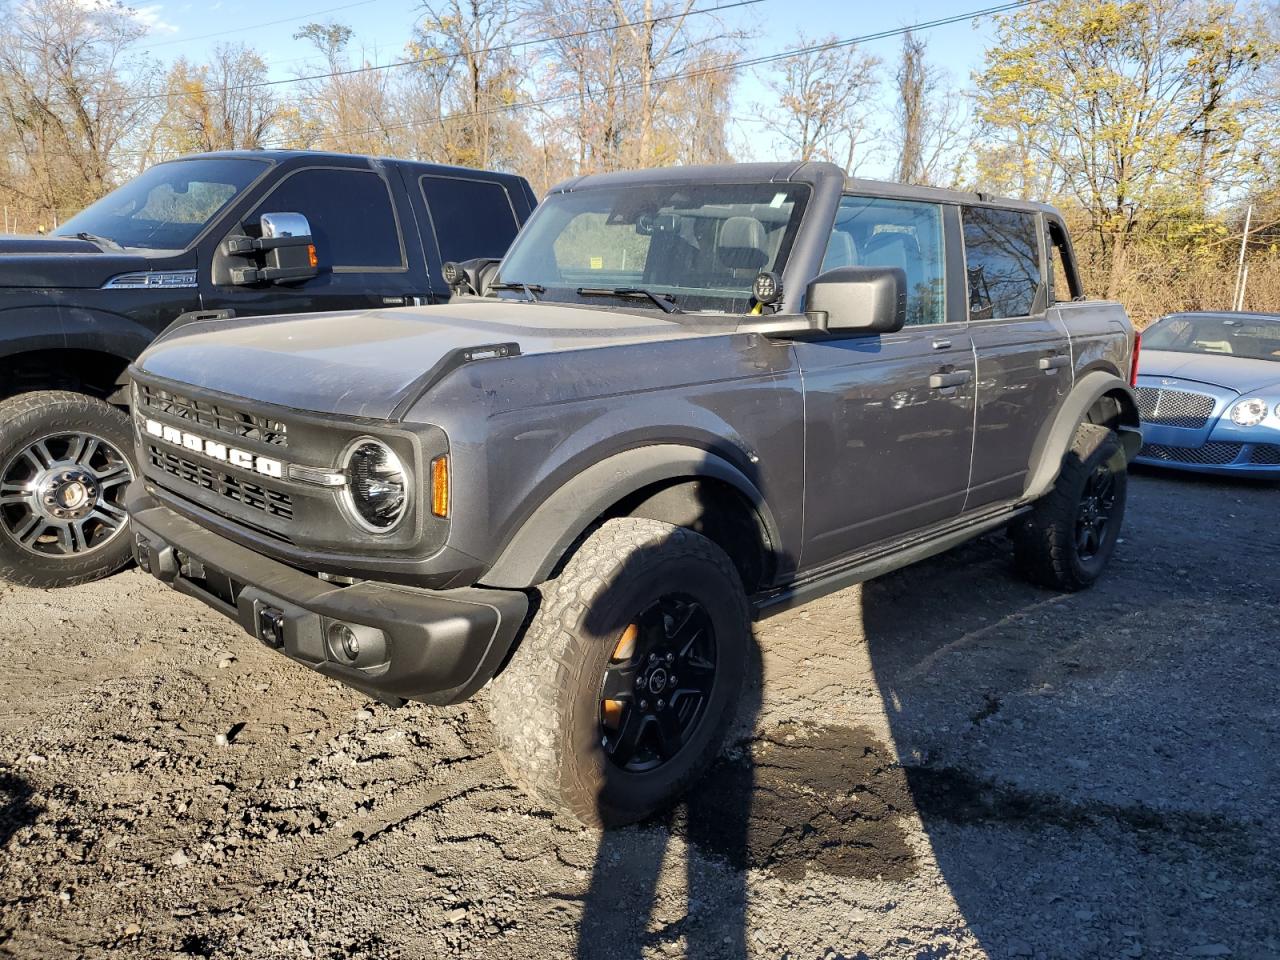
(381, 27)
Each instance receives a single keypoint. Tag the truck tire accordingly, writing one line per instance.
(65, 459)
(1064, 543)
(592, 714)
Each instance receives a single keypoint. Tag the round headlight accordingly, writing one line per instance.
(377, 488)
(1250, 412)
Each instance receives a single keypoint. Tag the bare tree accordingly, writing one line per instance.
(930, 120)
(823, 93)
(72, 101)
(219, 105)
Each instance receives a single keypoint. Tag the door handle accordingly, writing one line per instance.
(942, 344)
(940, 381)
(1049, 364)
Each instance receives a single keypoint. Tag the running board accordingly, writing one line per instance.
(878, 562)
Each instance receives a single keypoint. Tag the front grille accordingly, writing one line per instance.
(1266, 454)
(1174, 408)
(271, 502)
(1217, 453)
(216, 416)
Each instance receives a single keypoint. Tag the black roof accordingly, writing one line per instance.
(794, 171)
(285, 156)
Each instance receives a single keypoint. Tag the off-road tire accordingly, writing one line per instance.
(1045, 539)
(545, 705)
(23, 420)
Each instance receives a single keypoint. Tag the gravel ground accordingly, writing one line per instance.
(943, 763)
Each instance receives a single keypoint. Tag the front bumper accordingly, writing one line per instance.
(437, 646)
(1225, 450)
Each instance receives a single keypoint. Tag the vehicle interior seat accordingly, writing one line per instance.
(743, 249)
(841, 252)
(899, 250)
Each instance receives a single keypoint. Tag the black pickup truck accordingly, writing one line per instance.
(206, 237)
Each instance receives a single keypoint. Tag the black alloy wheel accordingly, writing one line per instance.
(657, 684)
(1097, 506)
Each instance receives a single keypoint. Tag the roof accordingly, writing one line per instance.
(793, 171)
(282, 156)
(1232, 314)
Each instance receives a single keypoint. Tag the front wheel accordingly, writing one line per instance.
(64, 465)
(627, 678)
(1066, 540)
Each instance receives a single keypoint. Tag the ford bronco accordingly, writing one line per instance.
(205, 237)
(685, 399)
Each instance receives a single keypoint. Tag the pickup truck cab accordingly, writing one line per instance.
(206, 237)
(689, 397)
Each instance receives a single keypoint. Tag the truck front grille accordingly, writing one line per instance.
(1174, 408)
(1216, 453)
(271, 502)
(215, 416)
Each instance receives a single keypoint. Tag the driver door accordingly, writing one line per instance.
(888, 418)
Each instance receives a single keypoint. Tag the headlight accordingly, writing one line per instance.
(1250, 412)
(376, 493)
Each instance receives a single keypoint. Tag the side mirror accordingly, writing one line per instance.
(285, 253)
(470, 276)
(859, 299)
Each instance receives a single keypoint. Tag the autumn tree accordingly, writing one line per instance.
(1129, 106)
(822, 101)
(223, 104)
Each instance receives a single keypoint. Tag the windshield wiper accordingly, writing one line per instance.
(102, 242)
(663, 300)
(531, 290)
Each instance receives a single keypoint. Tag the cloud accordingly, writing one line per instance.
(149, 16)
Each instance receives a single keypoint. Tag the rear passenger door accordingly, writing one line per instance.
(1023, 351)
(470, 217)
(356, 228)
(889, 417)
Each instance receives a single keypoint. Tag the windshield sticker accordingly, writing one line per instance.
(778, 200)
(597, 263)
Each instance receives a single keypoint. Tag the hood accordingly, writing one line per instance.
(64, 262)
(1235, 373)
(362, 364)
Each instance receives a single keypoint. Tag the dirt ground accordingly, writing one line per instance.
(943, 763)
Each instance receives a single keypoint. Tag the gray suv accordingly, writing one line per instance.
(687, 398)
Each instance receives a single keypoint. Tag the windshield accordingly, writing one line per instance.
(700, 245)
(1256, 338)
(168, 206)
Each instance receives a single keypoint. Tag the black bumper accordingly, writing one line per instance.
(435, 646)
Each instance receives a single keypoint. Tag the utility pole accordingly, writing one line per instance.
(1237, 301)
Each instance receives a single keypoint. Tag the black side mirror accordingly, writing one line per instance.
(859, 299)
(285, 252)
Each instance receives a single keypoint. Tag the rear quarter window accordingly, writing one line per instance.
(472, 218)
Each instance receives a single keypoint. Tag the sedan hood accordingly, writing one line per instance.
(61, 262)
(1235, 373)
(362, 364)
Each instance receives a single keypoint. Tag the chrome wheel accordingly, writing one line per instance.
(63, 495)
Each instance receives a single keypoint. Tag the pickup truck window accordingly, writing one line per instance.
(350, 214)
(167, 206)
(473, 218)
(700, 243)
(875, 232)
(1002, 253)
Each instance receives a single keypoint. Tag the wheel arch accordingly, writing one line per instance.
(1099, 396)
(98, 373)
(674, 483)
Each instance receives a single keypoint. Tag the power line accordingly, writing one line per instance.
(436, 58)
(690, 75)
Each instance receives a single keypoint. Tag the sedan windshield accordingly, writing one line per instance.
(694, 246)
(168, 206)
(1255, 338)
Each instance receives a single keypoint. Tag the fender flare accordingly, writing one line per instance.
(1055, 440)
(532, 553)
(53, 327)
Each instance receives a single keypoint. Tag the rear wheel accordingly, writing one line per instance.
(1065, 542)
(627, 678)
(65, 460)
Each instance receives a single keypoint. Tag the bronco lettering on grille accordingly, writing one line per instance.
(214, 450)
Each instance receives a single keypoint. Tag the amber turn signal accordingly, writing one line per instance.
(440, 486)
(312, 259)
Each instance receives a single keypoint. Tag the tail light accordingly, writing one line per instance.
(1133, 364)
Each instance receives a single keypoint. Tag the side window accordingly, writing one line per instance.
(473, 218)
(350, 215)
(878, 232)
(1002, 253)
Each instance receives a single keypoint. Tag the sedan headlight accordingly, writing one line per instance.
(376, 494)
(1249, 412)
